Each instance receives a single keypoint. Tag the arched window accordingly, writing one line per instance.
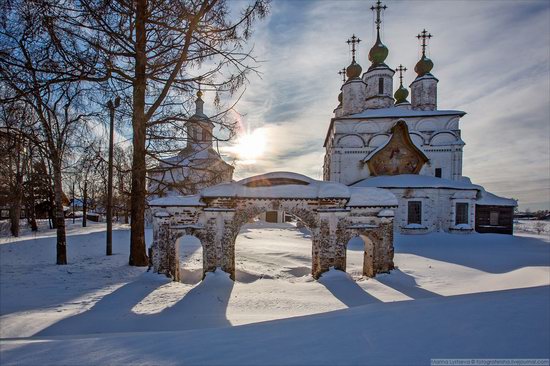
(380, 85)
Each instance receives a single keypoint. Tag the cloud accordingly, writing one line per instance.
(491, 57)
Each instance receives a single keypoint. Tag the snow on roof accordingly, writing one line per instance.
(489, 199)
(193, 200)
(283, 186)
(415, 181)
(363, 196)
(400, 112)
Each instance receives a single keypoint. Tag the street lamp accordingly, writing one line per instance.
(112, 106)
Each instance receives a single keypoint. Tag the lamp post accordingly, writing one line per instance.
(112, 106)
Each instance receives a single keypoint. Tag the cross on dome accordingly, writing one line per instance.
(379, 52)
(353, 41)
(342, 73)
(378, 8)
(424, 36)
(401, 70)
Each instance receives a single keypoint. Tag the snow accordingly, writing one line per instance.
(539, 227)
(306, 188)
(371, 197)
(414, 226)
(395, 112)
(459, 296)
(415, 181)
(462, 227)
(489, 199)
(193, 200)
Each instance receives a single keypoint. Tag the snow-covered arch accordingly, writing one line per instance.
(332, 211)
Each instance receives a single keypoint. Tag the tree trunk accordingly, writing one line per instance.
(85, 203)
(138, 256)
(31, 203)
(59, 214)
(15, 214)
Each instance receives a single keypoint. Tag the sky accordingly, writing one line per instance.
(492, 59)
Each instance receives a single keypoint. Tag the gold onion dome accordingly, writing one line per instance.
(401, 94)
(424, 66)
(378, 53)
(199, 94)
(354, 70)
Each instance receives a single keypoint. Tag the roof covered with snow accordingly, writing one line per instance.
(401, 112)
(194, 200)
(415, 181)
(489, 199)
(285, 185)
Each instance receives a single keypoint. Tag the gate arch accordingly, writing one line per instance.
(332, 211)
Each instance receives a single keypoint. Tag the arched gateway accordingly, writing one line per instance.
(333, 212)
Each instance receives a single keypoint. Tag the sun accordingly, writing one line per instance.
(250, 146)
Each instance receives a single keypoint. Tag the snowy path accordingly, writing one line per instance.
(101, 303)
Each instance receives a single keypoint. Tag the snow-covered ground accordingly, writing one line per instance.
(538, 227)
(452, 296)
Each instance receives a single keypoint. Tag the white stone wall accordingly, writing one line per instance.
(438, 209)
(352, 140)
(353, 100)
(373, 98)
(424, 93)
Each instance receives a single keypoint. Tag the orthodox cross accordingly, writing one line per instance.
(401, 70)
(378, 8)
(342, 73)
(424, 36)
(353, 41)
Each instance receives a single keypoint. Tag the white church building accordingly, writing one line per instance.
(195, 167)
(377, 138)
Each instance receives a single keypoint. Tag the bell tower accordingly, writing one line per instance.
(353, 90)
(199, 128)
(379, 77)
(424, 87)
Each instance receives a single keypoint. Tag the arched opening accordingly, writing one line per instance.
(190, 256)
(279, 250)
(359, 256)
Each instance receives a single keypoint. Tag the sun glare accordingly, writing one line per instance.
(250, 146)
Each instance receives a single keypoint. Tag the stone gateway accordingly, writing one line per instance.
(333, 212)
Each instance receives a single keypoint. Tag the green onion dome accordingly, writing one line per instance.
(424, 66)
(354, 70)
(401, 94)
(340, 97)
(378, 53)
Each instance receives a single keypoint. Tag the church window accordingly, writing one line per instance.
(461, 214)
(414, 212)
(204, 135)
(380, 85)
(438, 172)
(493, 218)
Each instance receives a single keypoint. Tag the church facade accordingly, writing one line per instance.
(377, 138)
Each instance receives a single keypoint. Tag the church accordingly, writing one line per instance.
(195, 167)
(378, 138)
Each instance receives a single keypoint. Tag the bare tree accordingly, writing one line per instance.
(155, 52)
(14, 157)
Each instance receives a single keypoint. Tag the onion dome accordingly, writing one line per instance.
(354, 70)
(424, 66)
(401, 95)
(378, 53)
(340, 97)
